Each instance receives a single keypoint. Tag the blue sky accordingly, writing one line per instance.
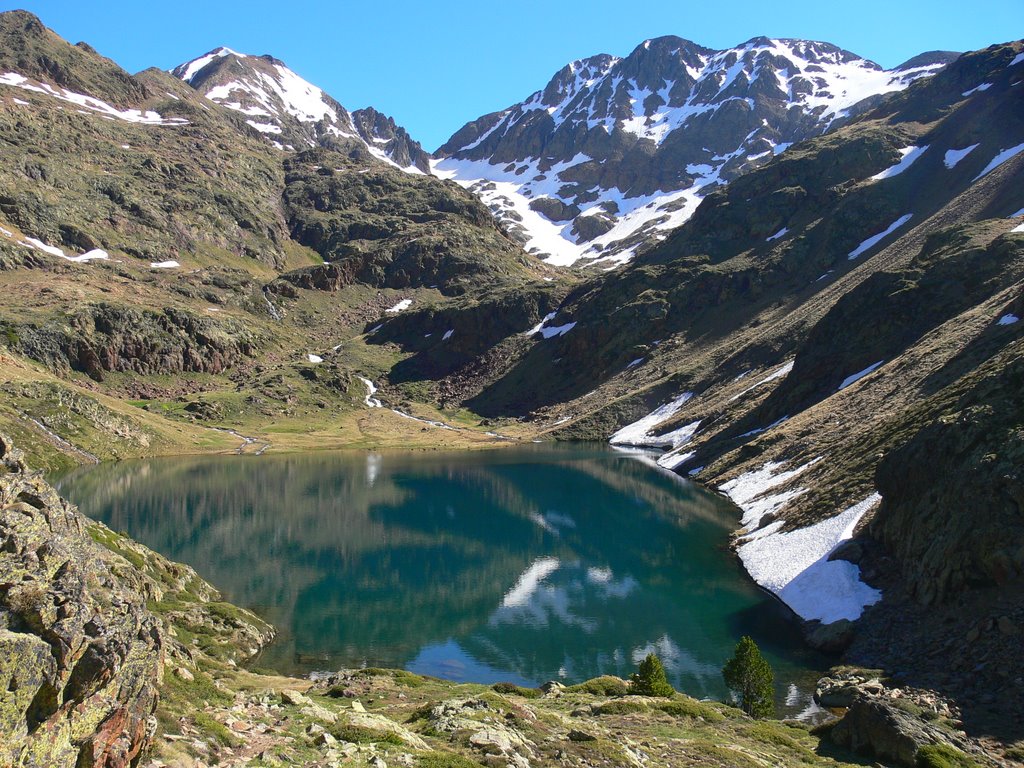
(434, 66)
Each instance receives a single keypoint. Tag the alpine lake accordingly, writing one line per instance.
(527, 564)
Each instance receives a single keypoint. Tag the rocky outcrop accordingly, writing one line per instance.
(102, 338)
(378, 226)
(80, 655)
(890, 723)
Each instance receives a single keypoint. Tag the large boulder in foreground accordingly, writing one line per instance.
(80, 655)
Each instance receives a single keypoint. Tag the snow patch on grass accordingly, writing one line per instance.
(855, 377)
(778, 374)
(999, 159)
(88, 102)
(638, 433)
(875, 239)
(402, 305)
(977, 88)
(909, 155)
(954, 156)
(749, 491)
(371, 390)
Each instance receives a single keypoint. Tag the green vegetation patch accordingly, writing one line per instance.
(620, 707)
(606, 685)
(445, 760)
(511, 689)
(943, 756)
(781, 736)
(687, 707)
(358, 734)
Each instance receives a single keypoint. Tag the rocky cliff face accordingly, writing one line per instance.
(614, 152)
(80, 656)
(953, 494)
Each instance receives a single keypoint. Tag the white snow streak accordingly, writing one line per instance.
(954, 156)
(874, 239)
(749, 491)
(638, 433)
(909, 155)
(777, 374)
(1002, 157)
(859, 375)
(88, 102)
(371, 390)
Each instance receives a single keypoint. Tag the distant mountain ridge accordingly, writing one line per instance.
(615, 151)
(294, 113)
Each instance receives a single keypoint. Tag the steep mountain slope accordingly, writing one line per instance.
(614, 153)
(294, 113)
(854, 301)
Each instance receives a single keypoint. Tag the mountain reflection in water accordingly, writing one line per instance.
(524, 564)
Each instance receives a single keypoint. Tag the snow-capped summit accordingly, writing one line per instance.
(292, 112)
(614, 151)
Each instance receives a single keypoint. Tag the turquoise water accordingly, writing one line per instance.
(525, 564)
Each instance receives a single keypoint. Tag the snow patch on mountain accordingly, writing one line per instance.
(909, 155)
(999, 159)
(794, 565)
(90, 104)
(639, 432)
(954, 156)
(870, 242)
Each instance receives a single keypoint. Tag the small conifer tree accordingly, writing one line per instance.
(650, 679)
(750, 675)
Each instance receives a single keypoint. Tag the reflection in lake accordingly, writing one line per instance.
(525, 564)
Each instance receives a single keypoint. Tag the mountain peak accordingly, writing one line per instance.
(615, 151)
(292, 112)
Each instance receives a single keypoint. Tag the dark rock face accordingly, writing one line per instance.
(879, 727)
(953, 495)
(80, 656)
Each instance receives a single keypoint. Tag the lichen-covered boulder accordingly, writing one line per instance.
(80, 655)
